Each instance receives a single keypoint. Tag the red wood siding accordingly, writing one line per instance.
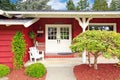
(6, 36)
(7, 33)
(43, 21)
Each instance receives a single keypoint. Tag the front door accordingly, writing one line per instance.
(58, 38)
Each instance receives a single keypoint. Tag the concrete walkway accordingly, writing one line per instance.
(60, 73)
(61, 69)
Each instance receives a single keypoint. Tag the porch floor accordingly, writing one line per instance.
(70, 61)
(49, 62)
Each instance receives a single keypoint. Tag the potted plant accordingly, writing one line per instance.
(32, 36)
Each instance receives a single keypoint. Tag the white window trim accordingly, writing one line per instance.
(58, 25)
(113, 24)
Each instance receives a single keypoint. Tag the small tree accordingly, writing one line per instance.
(115, 5)
(82, 5)
(70, 5)
(18, 48)
(97, 42)
(100, 5)
(33, 5)
(7, 5)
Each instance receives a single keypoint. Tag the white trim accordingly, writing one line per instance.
(67, 14)
(1, 12)
(113, 24)
(26, 22)
(57, 25)
(83, 22)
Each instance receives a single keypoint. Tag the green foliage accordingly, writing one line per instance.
(107, 42)
(82, 5)
(31, 34)
(36, 70)
(6, 5)
(18, 48)
(115, 5)
(100, 5)
(70, 5)
(4, 70)
(96, 42)
(33, 5)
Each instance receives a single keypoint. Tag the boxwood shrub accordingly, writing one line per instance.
(36, 70)
(4, 70)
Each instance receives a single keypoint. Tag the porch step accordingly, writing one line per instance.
(59, 56)
(58, 62)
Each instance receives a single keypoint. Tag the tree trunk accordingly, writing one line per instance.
(89, 59)
(95, 61)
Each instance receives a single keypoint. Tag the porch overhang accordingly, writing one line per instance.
(65, 14)
(26, 23)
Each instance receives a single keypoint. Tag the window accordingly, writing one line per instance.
(52, 33)
(101, 26)
(64, 32)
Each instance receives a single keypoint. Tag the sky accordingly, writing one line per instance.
(61, 4)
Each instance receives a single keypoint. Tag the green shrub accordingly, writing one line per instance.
(36, 70)
(96, 42)
(18, 49)
(4, 70)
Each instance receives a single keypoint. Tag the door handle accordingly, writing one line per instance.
(58, 41)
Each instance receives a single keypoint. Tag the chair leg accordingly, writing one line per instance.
(35, 60)
(43, 58)
(31, 59)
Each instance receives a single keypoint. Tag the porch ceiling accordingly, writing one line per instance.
(60, 14)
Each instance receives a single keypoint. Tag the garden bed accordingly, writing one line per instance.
(104, 72)
(20, 75)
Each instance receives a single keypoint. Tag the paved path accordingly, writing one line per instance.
(60, 73)
(61, 69)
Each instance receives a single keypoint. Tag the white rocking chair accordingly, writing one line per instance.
(35, 54)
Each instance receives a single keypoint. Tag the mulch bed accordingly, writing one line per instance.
(20, 75)
(104, 72)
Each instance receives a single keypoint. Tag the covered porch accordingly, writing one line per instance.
(56, 29)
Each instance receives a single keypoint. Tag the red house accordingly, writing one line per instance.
(55, 29)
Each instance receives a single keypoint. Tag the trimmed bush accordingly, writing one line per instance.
(4, 70)
(36, 70)
(18, 49)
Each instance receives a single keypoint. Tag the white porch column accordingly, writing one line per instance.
(83, 22)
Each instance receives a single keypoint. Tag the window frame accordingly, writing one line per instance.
(97, 24)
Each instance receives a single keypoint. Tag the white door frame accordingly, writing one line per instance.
(57, 25)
